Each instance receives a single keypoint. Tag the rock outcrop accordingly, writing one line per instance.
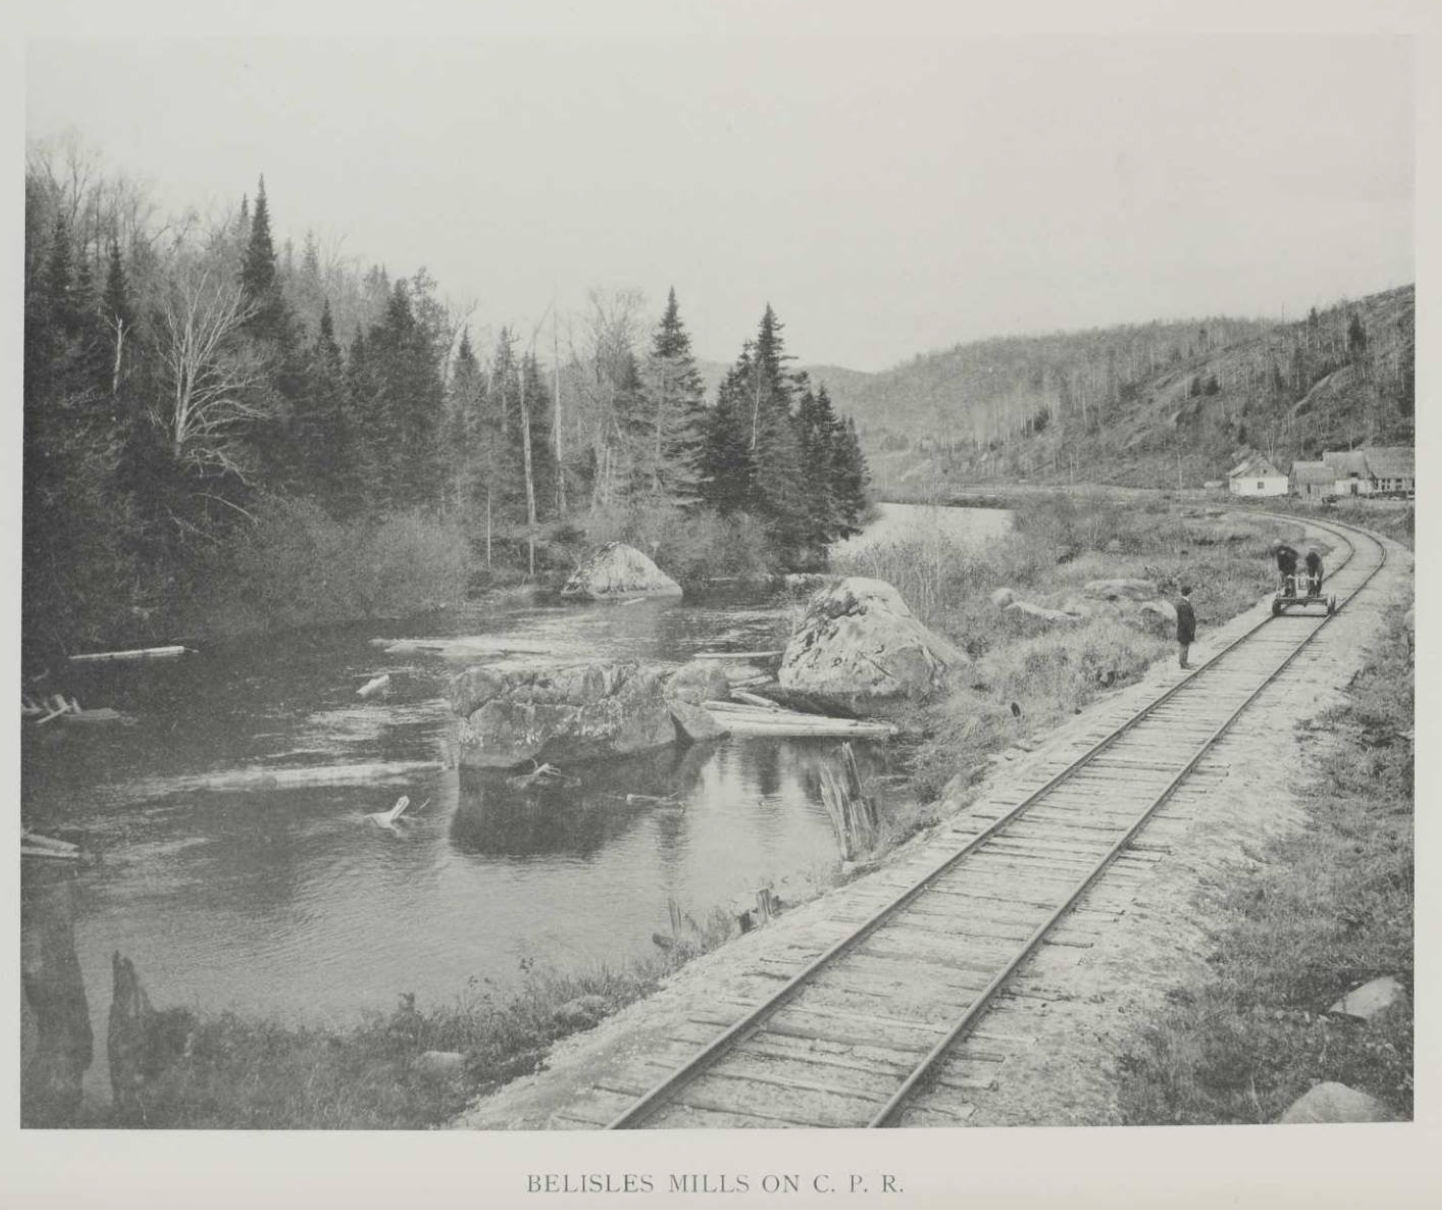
(859, 644)
(1041, 613)
(689, 686)
(1332, 1102)
(1367, 1001)
(619, 572)
(697, 682)
(514, 711)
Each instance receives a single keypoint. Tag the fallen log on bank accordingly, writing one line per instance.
(753, 699)
(754, 720)
(143, 653)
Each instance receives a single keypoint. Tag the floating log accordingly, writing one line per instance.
(32, 844)
(543, 774)
(751, 682)
(737, 655)
(50, 854)
(753, 720)
(101, 714)
(375, 685)
(669, 800)
(323, 775)
(143, 653)
(473, 646)
(389, 819)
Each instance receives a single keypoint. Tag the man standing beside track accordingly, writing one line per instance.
(1186, 625)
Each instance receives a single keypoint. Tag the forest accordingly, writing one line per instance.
(226, 433)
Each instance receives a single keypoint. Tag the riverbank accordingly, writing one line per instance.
(1051, 1052)
(1030, 672)
(245, 1070)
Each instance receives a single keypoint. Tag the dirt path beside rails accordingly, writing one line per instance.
(1050, 1049)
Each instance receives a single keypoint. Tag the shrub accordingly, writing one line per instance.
(298, 565)
(690, 545)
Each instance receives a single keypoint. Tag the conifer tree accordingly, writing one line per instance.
(675, 399)
(325, 453)
(727, 460)
(406, 423)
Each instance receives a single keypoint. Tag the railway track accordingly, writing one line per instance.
(853, 1035)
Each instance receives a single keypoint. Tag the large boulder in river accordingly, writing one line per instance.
(858, 643)
(699, 681)
(517, 711)
(619, 572)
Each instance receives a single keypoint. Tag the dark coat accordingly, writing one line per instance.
(1286, 560)
(1314, 563)
(1186, 621)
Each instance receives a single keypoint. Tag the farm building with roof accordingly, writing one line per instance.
(1254, 475)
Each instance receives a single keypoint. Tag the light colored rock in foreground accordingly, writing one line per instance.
(618, 571)
(514, 712)
(1117, 590)
(858, 642)
(1042, 614)
(1332, 1102)
(1002, 597)
(1371, 998)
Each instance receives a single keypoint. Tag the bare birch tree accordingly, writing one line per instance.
(209, 396)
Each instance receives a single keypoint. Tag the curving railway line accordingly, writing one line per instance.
(856, 1034)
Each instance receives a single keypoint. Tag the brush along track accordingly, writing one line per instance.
(846, 1041)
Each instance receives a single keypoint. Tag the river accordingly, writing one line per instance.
(286, 902)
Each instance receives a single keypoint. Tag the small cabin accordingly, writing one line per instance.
(1392, 470)
(1256, 476)
(1313, 480)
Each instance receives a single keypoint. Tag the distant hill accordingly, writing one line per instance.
(836, 378)
(1142, 405)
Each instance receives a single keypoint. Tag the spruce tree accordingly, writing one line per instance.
(675, 399)
(727, 461)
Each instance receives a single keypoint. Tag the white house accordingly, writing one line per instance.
(1350, 469)
(1255, 476)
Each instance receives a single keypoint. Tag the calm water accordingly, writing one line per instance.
(286, 901)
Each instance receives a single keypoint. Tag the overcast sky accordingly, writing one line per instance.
(888, 195)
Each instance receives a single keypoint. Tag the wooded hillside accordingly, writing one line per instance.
(1142, 405)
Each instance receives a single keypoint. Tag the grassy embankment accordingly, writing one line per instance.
(239, 1072)
(1331, 908)
(1051, 671)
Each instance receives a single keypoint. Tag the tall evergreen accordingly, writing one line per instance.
(727, 461)
(325, 453)
(675, 398)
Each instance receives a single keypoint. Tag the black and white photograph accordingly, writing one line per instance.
(709, 572)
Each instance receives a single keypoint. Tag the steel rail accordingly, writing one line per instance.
(888, 1112)
(749, 1024)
